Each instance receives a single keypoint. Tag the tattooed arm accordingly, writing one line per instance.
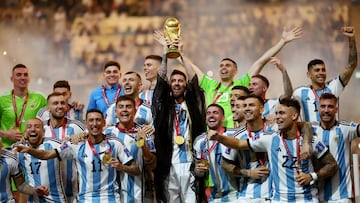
(346, 74)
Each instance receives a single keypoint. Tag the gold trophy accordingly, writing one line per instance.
(172, 32)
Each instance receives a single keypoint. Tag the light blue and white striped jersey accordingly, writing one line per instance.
(283, 167)
(270, 107)
(308, 101)
(44, 172)
(182, 153)
(143, 115)
(69, 175)
(147, 96)
(338, 140)
(225, 188)
(97, 181)
(250, 188)
(132, 187)
(9, 168)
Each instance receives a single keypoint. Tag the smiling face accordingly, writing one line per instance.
(34, 131)
(151, 68)
(214, 117)
(95, 123)
(112, 75)
(131, 84)
(125, 112)
(57, 106)
(238, 110)
(227, 70)
(178, 85)
(252, 109)
(285, 117)
(317, 75)
(328, 110)
(20, 78)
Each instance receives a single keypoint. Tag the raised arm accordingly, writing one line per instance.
(37, 153)
(346, 74)
(228, 141)
(286, 37)
(159, 37)
(288, 89)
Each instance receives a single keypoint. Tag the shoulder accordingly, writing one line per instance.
(243, 80)
(300, 88)
(5, 94)
(8, 154)
(146, 105)
(348, 123)
(52, 140)
(200, 138)
(239, 131)
(77, 123)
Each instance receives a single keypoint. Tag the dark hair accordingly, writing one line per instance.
(62, 84)
(132, 72)
(177, 72)
(263, 78)
(154, 57)
(261, 100)
(289, 102)
(94, 111)
(125, 98)
(315, 62)
(18, 66)
(242, 88)
(54, 94)
(229, 59)
(218, 106)
(111, 63)
(327, 95)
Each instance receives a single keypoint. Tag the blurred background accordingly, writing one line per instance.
(72, 39)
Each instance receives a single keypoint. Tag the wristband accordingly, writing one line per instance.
(314, 178)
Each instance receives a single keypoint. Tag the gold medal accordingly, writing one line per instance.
(140, 143)
(205, 163)
(179, 140)
(106, 158)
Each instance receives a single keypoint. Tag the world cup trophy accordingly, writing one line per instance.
(172, 32)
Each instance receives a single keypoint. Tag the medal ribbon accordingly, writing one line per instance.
(297, 149)
(63, 125)
(18, 119)
(221, 131)
(105, 96)
(93, 149)
(260, 156)
(129, 131)
(177, 122)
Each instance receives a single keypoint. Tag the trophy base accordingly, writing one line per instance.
(172, 54)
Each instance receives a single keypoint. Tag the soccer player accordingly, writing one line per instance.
(9, 168)
(97, 160)
(219, 91)
(61, 128)
(41, 172)
(74, 111)
(102, 97)
(131, 83)
(236, 103)
(337, 136)
(140, 144)
(178, 118)
(259, 85)
(292, 177)
(151, 69)
(207, 153)
(17, 106)
(308, 96)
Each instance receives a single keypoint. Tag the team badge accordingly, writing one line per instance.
(336, 139)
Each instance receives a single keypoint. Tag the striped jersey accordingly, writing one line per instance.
(284, 165)
(9, 168)
(225, 187)
(97, 181)
(182, 153)
(132, 187)
(143, 115)
(250, 188)
(338, 140)
(69, 175)
(44, 172)
(44, 115)
(147, 96)
(309, 99)
(270, 107)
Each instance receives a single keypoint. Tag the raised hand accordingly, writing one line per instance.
(292, 34)
(348, 31)
(275, 61)
(159, 37)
